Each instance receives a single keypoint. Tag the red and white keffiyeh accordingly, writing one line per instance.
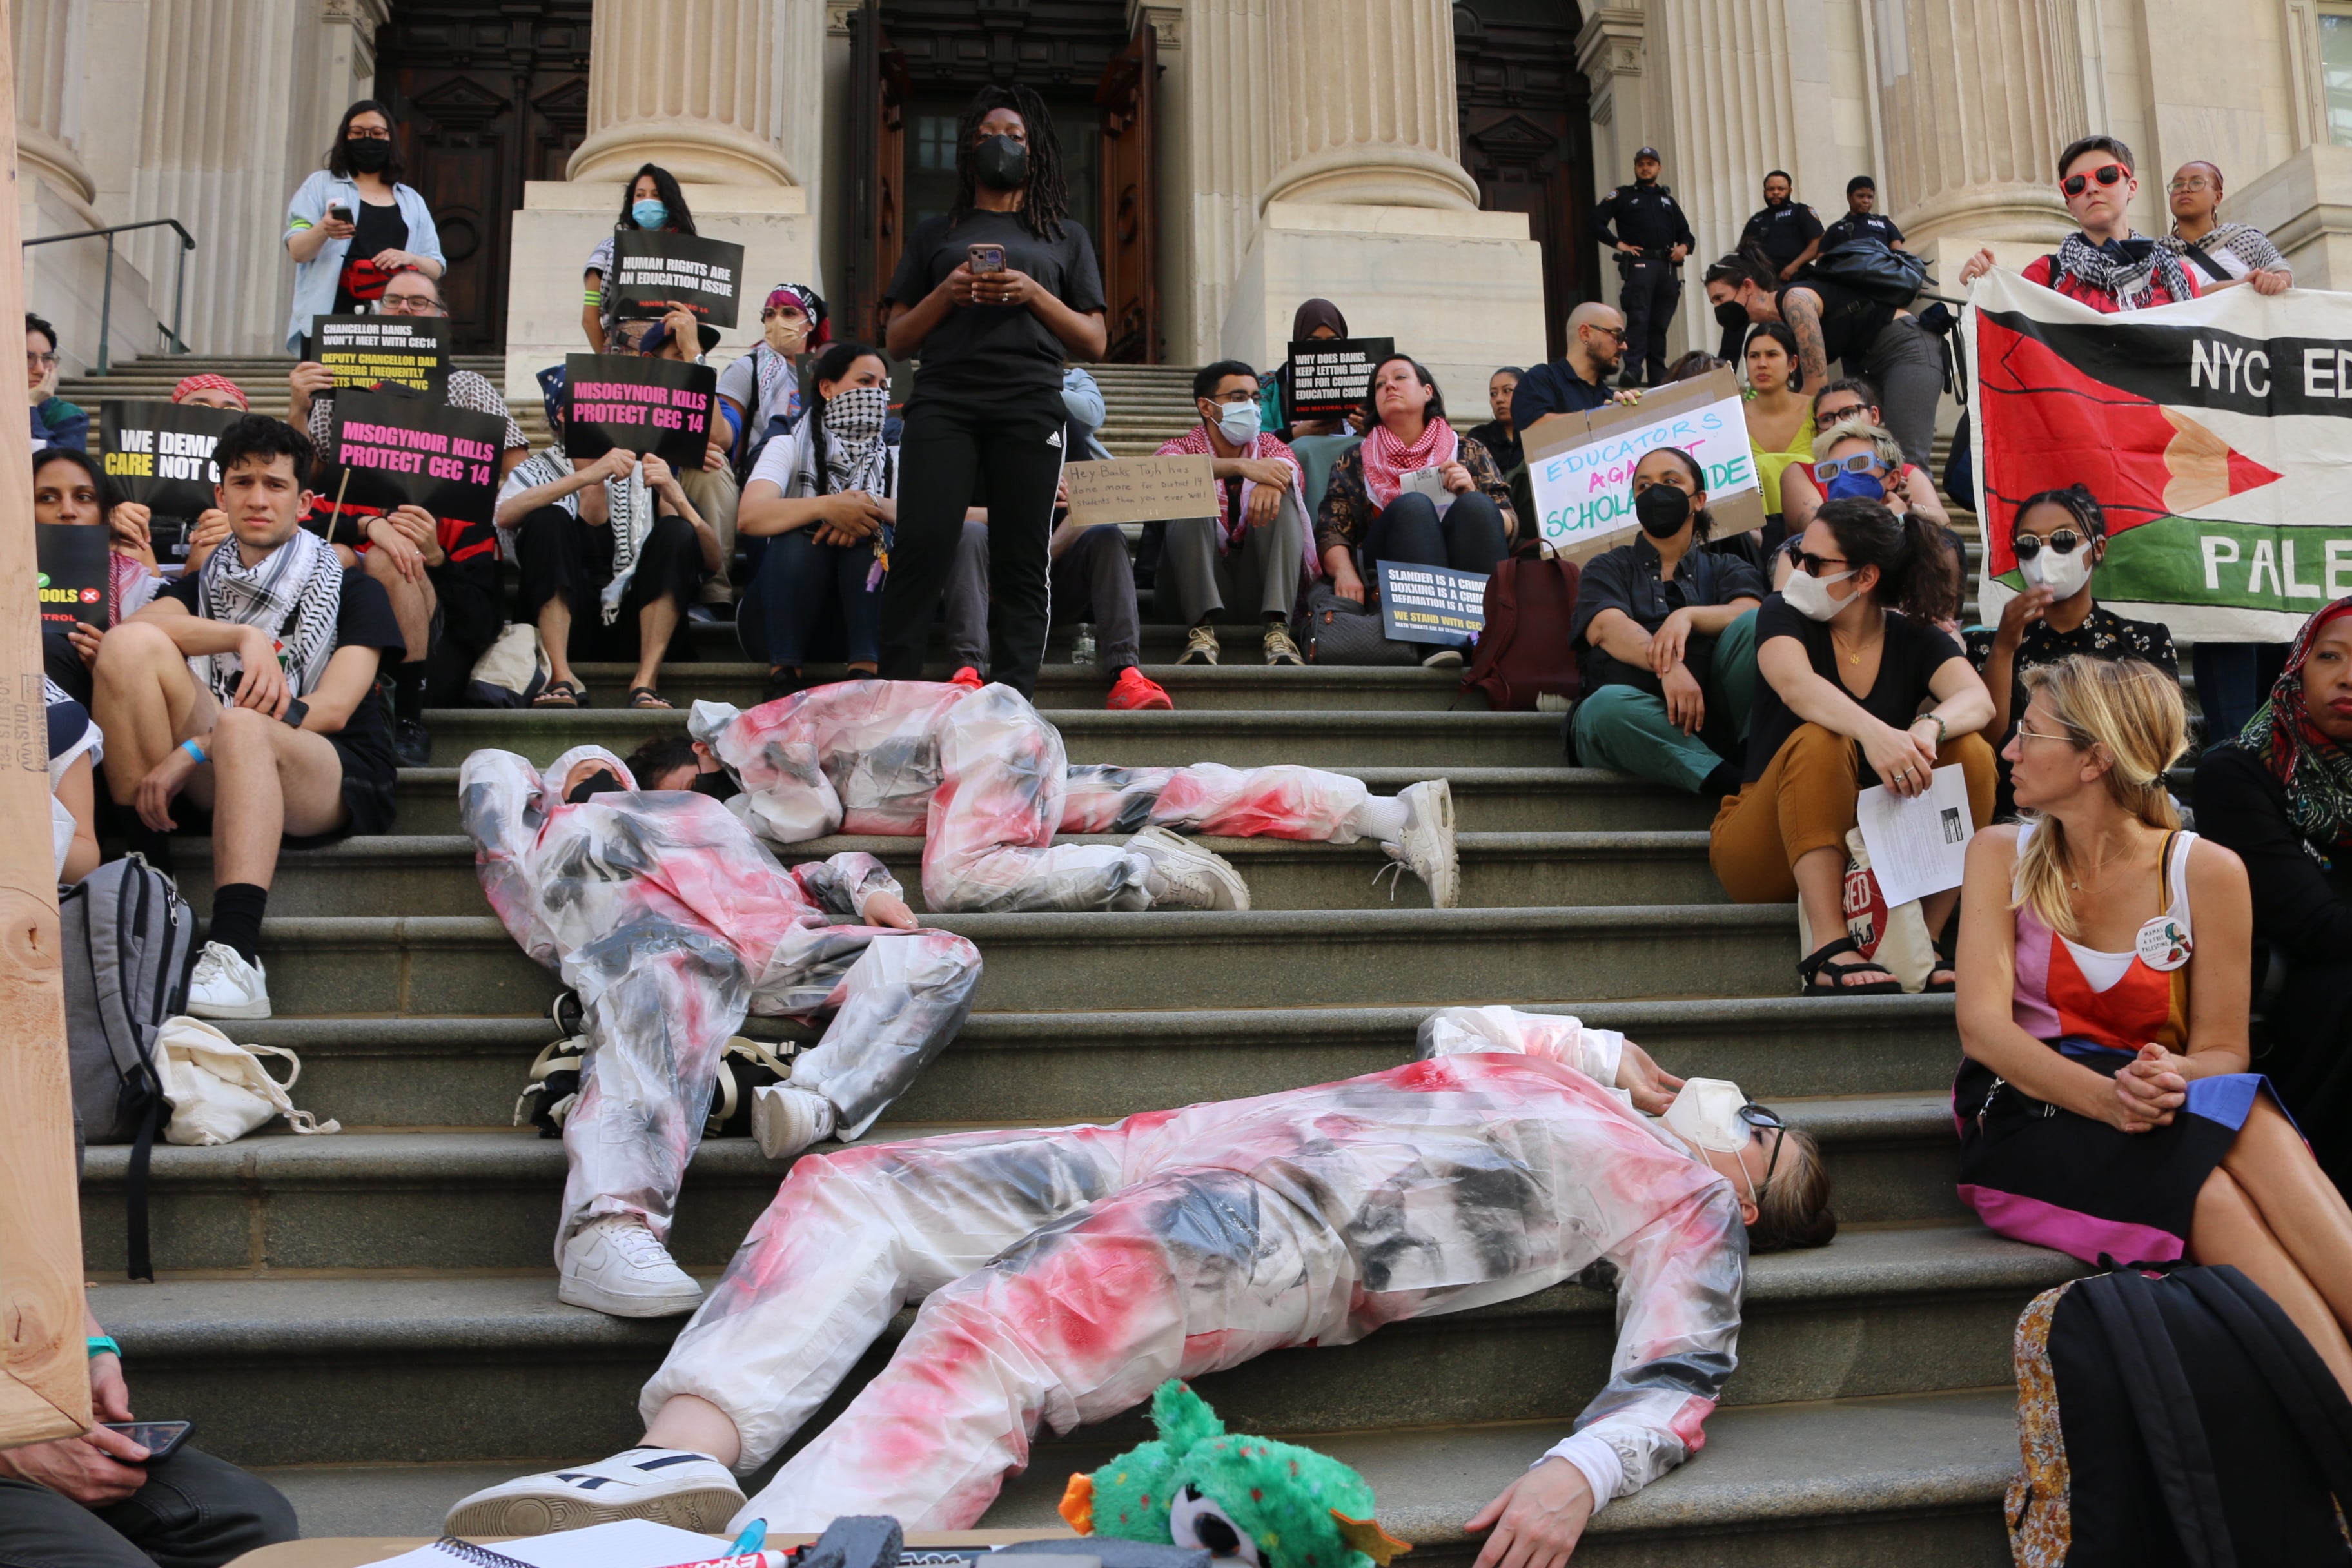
(1387, 459)
(1194, 443)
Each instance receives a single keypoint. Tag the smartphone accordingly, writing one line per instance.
(339, 213)
(985, 258)
(161, 1439)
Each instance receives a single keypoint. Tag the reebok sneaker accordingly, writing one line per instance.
(668, 1486)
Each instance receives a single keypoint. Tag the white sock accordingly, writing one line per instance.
(1382, 820)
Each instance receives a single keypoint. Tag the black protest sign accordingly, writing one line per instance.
(653, 272)
(160, 454)
(377, 350)
(639, 404)
(71, 560)
(1328, 375)
(1430, 603)
(400, 450)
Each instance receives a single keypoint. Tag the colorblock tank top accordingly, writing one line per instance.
(2119, 1000)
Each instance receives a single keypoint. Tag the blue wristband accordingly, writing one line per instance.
(194, 751)
(103, 1344)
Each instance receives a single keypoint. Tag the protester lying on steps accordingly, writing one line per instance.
(671, 922)
(2105, 1107)
(1247, 564)
(982, 776)
(249, 688)
(1065, 1273)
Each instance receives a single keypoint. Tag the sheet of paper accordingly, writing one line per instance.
(625, 1543)
(1429, 483)
(1918, 845)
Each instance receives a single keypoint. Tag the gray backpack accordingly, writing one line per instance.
(130, 943)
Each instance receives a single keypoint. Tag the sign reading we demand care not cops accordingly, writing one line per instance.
(160, 454)
(1582, 465)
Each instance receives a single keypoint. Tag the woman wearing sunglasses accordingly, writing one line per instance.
(2105, 265)
(2225, 253)
(1860, 689)
(2105, 1104)
(1852, 398)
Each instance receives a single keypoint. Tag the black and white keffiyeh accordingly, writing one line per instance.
(629, 504)
(301, 574)
(854, 457)
(2129, 270)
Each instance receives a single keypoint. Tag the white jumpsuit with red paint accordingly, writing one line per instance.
(671, 921)
(1065, 1273)
(983, 778)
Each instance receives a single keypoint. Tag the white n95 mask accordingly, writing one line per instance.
(1706, 1115)
(1810, 595)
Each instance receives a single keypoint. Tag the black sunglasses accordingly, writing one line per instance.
(1815, 565)
(2106, 173)
(1762, 1117)
(2064, 542)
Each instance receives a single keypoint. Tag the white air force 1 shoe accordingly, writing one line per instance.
(1425, 847)
(225, 986)
(1183, 876)
(614, 1265)
(786, 1121)
(669, 1485)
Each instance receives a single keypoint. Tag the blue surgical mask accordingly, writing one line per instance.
(1846, 486)
(1238, 422)
(649, 213)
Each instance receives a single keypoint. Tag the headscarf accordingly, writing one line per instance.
(779, 384)
(809, 303)
(1387, 459)
(2130, 277)
(1317, 313)
(2315, 770)
(205, 381)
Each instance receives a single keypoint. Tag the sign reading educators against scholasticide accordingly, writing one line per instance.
(653, 272)
(160, 454)
(1328, 375)
(71, 561)
(1430, 603)
(399, 449)
(2216, 434)
(1582, 465)
(639, 404)
(373, 350)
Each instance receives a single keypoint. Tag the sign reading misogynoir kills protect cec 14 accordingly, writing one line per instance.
(1582, 465)
(402, 449)
(640, 404)
(653, 272)
(377, 351)
(1140, 490)
(1328, 375)
(160, 454)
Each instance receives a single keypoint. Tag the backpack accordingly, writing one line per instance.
(2183, 1419)
(1343, 632)
(129, 944)
(1871, 267)
(511, 671)
(1524, 651)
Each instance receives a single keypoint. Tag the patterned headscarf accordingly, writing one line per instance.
(205, 381)
(2316, 771)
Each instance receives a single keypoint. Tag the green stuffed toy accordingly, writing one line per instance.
(1272, 1505)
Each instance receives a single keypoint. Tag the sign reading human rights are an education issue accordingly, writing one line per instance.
(401, 449)
(1582, 465)
(640, 404)
(654, 271)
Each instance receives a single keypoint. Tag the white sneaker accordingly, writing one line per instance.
(614, 1265)
(225, 986)
(1444, 659)
(670, 1485)
(1183, 876)
(1426, 845)
(787, 1120)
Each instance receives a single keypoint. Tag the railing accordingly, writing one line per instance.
(106, 298)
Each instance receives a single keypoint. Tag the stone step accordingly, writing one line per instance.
(432, 874)
(1191, 687)
(442, 1200)
(423, 965)
(369, 1368)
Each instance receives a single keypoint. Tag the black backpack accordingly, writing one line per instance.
(2175, 1420)
(1871, 267)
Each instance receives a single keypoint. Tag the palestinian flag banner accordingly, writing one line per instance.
(2217, 433)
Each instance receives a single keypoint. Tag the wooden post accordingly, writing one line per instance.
(45, 1392)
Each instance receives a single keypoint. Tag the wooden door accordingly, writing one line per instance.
(1527, 137)
(878, 91)
(1129, 237)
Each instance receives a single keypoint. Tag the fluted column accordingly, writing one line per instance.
(1230, 98)
(49, 37)
(697, 85)
(1365, 112)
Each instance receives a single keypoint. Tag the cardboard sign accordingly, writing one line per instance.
(654, 271)
(402, 449)
(1141, 490)
(71, 559)
(1582, 465)
(1328, 375)
(372, 351)
(161, 455)
(640, 404)
(1430, 603)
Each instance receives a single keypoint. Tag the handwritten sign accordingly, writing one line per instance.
(403, 449)
(73, 574)
(160, 454)
(1141, 490)
(653, 272)
(1582, 465)
(1430, 603)
(1328, 375)
(640, 404)
(378, 351)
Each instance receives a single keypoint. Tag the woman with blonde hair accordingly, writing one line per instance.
(2105, 1107)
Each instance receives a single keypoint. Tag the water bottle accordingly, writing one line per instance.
(1083, 650)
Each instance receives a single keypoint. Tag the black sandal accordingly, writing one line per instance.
(1816, 961)
(647, 697)
(1945, 958)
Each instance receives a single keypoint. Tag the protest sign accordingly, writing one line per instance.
(1141, 490)
(2215, 433)
(374, 351)
(72, 566)
(1430, 603)
(653, 272)
(400, 449)
(642, 405)
(1328, 375)
(1582, 465)
(160, 454)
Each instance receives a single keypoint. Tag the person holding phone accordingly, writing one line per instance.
(995, 297)
(352, 225)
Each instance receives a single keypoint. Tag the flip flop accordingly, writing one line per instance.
(561, 694)
(647, 697)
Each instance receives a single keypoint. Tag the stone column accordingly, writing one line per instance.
(1223, 100)
(49, 38)
(1365, 110)
(697, 85)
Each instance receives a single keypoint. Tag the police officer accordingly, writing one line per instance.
(1786, 231)
(1647, 225)
(1861, 217)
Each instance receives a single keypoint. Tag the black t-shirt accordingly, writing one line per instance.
(994, 352)
(1627, 580)
(364, 619)
(1914, 650)
(1850, 321)
(379, 229)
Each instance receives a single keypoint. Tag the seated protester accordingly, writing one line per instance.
(249, 687)
(1315, 320)
(75, 750)
(2280, 797)
(670, 922)
(1780, 418)
(1014, 1277)
(1082, 399)
(2060, 538)
(1840, 402)
(1578, 379)
(2107, 264)
(760, 388)
(1850, 661)
(69, 491)
(426, 565)
(653, 203)
(206, 390)
(712, 488)
(1498, 435)
(1692, 365)
(99, 1500)
(2225, 253)
(1368, 510)
(1247, 564)
(2104, 1106)
(55, 421)
(1667, 633)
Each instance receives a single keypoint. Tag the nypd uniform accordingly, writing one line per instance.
(1875, 225)
(1644, 213)
(1783, 231)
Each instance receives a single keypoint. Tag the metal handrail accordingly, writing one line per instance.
(106, 297)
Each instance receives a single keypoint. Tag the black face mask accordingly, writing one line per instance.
(1731, 313)
(368, 154)
(601, 782)
(1002, 164)
(718, 785)
(1661, 510)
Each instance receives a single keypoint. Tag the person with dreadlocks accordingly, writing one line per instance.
(995, 297)
(2281, 796)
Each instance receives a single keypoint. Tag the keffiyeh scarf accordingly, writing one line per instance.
(1387, 459)
(2316, 771)
(300, 581)
(2130, 279)
(853, 456)
(629, 507)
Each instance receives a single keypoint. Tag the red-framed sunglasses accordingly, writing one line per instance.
(2106, 173)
